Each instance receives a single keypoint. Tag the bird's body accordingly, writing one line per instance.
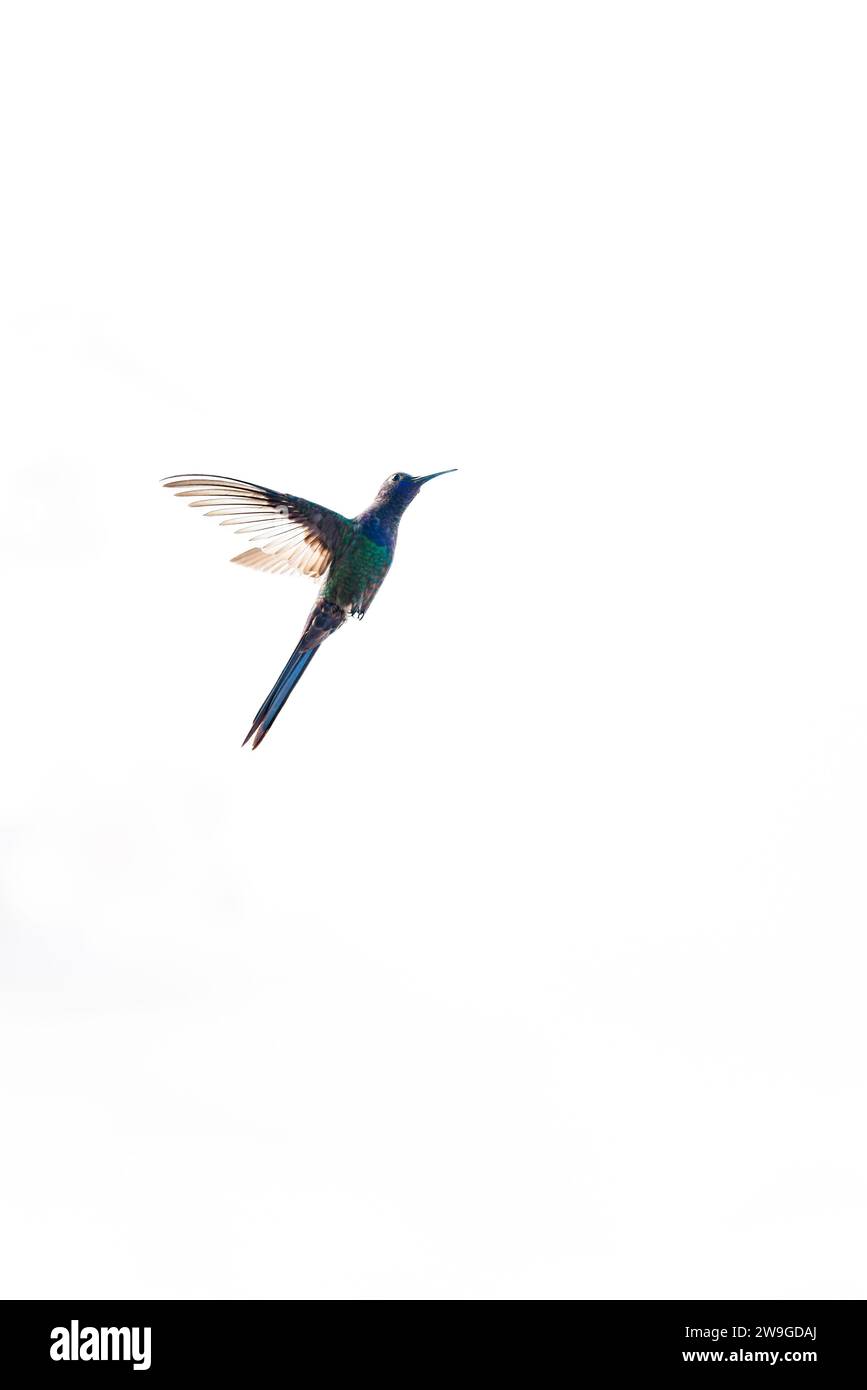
(352, 555)
(359, 568)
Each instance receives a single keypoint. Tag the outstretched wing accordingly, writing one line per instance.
(287, 532)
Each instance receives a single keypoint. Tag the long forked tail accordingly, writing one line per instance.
(324, 619)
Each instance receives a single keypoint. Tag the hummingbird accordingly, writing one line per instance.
(287, 534)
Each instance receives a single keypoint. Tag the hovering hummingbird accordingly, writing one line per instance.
(351, 556)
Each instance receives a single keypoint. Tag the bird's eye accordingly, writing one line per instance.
(396, 477)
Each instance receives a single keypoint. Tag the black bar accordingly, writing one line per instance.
(240, 1340)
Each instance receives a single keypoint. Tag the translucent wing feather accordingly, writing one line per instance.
(286, 533)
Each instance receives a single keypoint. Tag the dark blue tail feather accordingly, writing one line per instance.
(325, 617)
(286, 683)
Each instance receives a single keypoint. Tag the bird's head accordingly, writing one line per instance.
(398, 491)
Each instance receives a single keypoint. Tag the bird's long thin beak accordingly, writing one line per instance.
(434, 475)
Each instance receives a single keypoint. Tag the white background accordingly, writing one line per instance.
(526, 956)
